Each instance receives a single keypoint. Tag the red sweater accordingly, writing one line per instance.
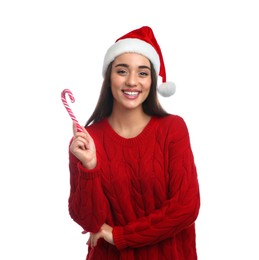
(145, 187)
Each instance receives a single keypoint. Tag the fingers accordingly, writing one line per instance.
(84, 141)
(81, 142)
(93, 239)
(105, 232)
(80, 135)
(89, 239)
(84, 132)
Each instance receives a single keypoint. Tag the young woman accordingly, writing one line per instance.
(134, 184)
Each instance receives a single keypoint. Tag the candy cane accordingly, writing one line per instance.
(63, 98)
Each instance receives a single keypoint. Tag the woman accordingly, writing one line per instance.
(134, 183)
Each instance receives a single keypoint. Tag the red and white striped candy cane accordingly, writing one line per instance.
(63, 98)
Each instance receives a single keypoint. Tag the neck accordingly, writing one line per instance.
(128, 124)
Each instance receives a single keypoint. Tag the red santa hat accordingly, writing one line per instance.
(142, 41)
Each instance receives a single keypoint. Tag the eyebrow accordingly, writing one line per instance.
(126, 66)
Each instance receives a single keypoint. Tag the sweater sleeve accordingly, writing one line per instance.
(180, 210)
(87, 204)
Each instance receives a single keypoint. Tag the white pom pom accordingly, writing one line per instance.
(166, 89)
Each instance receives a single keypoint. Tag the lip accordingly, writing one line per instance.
(131, 94)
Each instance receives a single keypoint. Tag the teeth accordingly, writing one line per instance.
(131, 93)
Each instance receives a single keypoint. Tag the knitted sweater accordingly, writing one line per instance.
(145, 187)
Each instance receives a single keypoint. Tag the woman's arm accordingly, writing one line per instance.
(87, 204)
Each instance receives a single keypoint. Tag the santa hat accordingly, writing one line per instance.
(141, 41)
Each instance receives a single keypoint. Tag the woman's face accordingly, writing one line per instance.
(130, 80)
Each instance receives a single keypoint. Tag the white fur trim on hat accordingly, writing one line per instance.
(131, 45)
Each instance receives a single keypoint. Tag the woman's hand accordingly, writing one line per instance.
(83, 148)
(105, 232)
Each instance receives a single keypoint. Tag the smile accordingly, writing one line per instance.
(131, 93)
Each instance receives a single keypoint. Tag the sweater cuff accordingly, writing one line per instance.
(118, 238)
(88, 174)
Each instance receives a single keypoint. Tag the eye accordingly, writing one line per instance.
(121, 71)
(144, 74)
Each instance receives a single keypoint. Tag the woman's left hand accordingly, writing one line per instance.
(105, 232)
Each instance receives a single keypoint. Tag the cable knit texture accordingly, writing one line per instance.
(145, 187)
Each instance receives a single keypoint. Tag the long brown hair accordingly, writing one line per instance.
(151, 106)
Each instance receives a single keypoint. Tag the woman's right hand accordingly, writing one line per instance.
(83, 147)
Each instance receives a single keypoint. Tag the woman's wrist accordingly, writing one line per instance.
(90, 165)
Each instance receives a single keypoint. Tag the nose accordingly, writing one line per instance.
(131, 80)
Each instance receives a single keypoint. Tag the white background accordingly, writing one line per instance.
(211, 52)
